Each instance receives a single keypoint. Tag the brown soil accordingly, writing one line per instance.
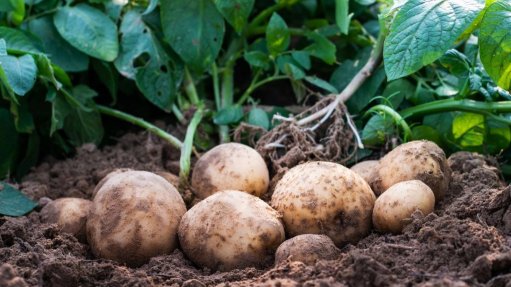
(466, 242)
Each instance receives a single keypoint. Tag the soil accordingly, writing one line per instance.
(466, 242)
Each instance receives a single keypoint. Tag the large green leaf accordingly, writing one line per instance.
(89, 30)
(194, 29)
(236, 12)
(20, 42)
(58, 50)
(143, 59)
(13, 202)
(468, 130)
(423, 30)
(277, 35)
(21, 73)
(495, 43)
(60, 109)
(8, 144)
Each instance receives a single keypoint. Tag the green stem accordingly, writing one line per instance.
(40, 14)
(216, 86)
(178, 114)
(227, 96)
(262, 30)
(190, 89)
(253, 86)
(450, 105)
(266, 13)
(186, 151)
(172, 140)
(398, 119)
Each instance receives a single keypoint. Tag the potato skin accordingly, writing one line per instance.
(421, 160)
(307, 248)
(230, 166)
(70, 214)
(366, 169)
(393, 209)
(231, 229)
(324, 198)
(134, 216)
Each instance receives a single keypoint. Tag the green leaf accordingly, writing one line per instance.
(21, 73)
(257, 59)
(16, 9)
(302, 58)
(363, 96)
(9, 143)
(495, 43)
(468, 130)
(13, 202)
(365, 2)
(423, 30)
(20, 42)
(342, 17)
(194, 29)
(229, 115)
(236, 12)
(58, 50)
(377, 130)
(23, 119)
(398, 90)
(321, 48)
(258, 117)
(143, 59)
(108, 76)
(60, 109)
(46, 70)
(3, 48)
(84, 126)
(424, 132)
(498, 137)
(89, 30)
(277, 35)
(321, 84)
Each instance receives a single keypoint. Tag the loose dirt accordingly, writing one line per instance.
(466, 242)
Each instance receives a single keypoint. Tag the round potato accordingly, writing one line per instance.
(421, 160)
(231, 229)
(134, 216)
(366, 169)
(307, 248)
(70, 214)
(324, 198)
(230, 166)
(393, 209)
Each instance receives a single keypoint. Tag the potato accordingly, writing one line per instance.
(393, 209)
(324, 198)
(107, 177)
(366, 169)
(307, 248)
(231, 229)
(421, 160)
(230, 166)
(135, 216)
(70, 214)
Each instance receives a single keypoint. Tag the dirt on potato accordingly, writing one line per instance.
(465, 242)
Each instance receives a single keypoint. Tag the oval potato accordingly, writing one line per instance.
(366, 169)
(70, 214)
(307, 248)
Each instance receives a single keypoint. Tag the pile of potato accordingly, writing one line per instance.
(318, 206)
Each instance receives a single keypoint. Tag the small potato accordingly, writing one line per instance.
(231, 229)
(230, 166)
(134, 216)
(366, 169)
(70, 214)
(421, 160)
(393, 209)
(307, 248)
(324, 198)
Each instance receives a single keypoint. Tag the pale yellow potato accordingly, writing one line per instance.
(307, 248)
(324, 198)
(231, 229)
(393, 209)
(230, 166)
(134, 216)
(104, 179)
(70, 214)
(366, 169)
(421, 160)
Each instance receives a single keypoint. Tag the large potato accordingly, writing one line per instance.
(324, 198)
(421, 160)
(231, 229)
(135, 216)
(307, 248)
(230, 166)
(70, 214)
(394, 208)
(366, 169)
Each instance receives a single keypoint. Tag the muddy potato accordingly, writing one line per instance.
(134, 216)
(70, 214)
(393, 209)
(307, 248)
(421, 160)
(231, 229)
(230, 166)
(324, 198)
(366, 169)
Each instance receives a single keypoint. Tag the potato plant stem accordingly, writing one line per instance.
(450, 105)
(190, 89)
(186, 151)
(172, 140)
(398, 119)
